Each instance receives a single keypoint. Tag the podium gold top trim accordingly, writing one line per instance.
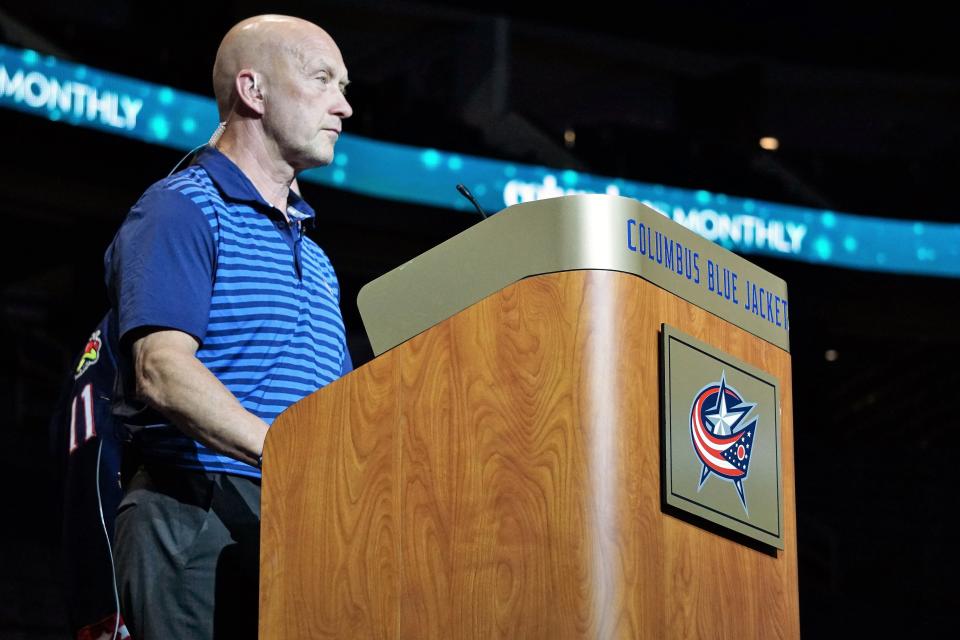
(565, 234)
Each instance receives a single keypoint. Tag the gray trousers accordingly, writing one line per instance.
(187, 554)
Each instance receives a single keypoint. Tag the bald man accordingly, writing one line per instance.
(226, 314)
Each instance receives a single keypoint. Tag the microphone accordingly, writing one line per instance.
(469, 196)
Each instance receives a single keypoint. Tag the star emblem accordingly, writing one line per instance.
(726, 419)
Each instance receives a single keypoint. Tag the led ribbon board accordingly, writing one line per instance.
(62, 91)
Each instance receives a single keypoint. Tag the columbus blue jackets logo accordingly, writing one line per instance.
(722, 436)
(91, 353)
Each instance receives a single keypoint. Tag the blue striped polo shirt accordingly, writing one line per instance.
(203, 253)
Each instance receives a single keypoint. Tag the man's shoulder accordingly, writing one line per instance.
(193, 183)
(186, 194)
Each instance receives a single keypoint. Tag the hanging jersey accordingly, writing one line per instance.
(89, 454)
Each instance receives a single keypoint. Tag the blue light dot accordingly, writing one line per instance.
(510, 171)
(30, 56)
(55, 114)
(829, 219)
(339, 176)
(80, 72)
(721, 199)
(703, 197)
(850, 244)
(570, 177)
(749, 206)
(430, 158)
(822, 248)
(881, 258)
(188, 124)
(455, 163)
(918, 228)
(165, 95)
(160, 127)
(340, 159)
(479, 190)
(926, 254)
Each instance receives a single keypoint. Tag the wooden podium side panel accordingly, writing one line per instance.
(711, 586)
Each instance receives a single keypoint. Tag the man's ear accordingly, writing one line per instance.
(249, 90)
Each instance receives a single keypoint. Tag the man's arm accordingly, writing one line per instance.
(173, 381)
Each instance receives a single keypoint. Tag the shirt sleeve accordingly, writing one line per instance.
(160, 266)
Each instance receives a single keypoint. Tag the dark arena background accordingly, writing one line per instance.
(863, 104)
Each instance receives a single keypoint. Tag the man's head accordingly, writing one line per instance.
(279, 83)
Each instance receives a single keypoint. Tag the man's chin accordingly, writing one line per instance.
(313, 159)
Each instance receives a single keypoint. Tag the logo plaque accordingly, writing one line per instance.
(721, 439)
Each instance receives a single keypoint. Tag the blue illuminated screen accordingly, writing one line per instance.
(82, 96)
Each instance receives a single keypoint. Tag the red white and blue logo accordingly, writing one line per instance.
(722, 437)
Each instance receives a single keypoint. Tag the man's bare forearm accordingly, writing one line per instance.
(172, 380)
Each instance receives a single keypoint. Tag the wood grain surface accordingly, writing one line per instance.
(498, 476)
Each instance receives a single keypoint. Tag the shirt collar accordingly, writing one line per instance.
(236, 186)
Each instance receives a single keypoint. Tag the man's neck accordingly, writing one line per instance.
(270, 178)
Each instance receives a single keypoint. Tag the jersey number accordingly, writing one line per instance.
(86, 428)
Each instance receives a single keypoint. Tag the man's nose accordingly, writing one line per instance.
(342, 108)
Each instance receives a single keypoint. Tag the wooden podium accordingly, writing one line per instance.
(496, 471)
